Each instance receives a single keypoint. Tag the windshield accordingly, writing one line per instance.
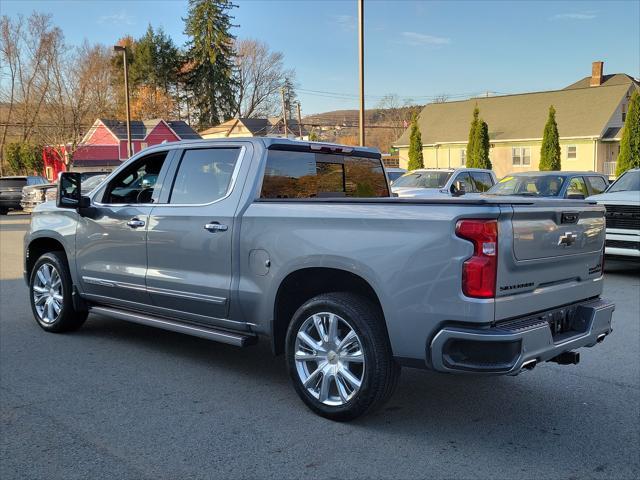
(393, 176)
(629, 181)
(529, 186)
(92, 182)
(423, 180)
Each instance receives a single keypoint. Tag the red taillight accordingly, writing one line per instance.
(479, 272)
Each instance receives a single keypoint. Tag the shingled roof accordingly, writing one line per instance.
(580, 112)
(258, 127)
(140, 129)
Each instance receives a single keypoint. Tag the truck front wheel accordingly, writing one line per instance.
(339, 357)
(50, 288)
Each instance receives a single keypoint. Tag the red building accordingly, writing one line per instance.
(104, 146)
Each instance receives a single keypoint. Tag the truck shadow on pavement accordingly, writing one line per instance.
(423, 398)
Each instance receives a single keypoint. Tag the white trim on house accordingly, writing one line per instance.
(93, 129)
(168, 126)
(581, 137)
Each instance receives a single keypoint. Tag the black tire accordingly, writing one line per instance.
(68, 318)
(380, 373)
(4, 211)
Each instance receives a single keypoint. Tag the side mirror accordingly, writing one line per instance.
(70, 193)
(575, 196)
(457, 188)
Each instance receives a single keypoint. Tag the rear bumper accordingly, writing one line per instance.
(505, 347)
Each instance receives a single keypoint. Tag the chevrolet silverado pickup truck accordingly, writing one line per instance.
(302, 244)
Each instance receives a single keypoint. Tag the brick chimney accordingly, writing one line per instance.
(596, 74)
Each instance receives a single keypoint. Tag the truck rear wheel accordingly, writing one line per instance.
(339, 357)
(50, 289)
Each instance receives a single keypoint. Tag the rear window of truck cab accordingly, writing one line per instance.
(307, 174)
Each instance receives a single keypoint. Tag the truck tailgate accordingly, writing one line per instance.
(550, 254)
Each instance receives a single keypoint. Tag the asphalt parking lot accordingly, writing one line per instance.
(118, 400)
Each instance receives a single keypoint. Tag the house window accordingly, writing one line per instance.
(624, 112)
(571, 152)
(521, 156)
(463, 157)
(49, 173)
(143, 145)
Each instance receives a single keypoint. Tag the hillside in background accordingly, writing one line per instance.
(382, 125)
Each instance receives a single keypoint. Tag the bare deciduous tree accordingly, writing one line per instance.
(80, 91)
(261, 74)
(28, 49)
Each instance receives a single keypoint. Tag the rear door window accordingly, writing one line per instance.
(305, 174)
(204, 175)
(597, 185)
(482, 181)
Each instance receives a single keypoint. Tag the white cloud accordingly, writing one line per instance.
(416, 39)
(121, 18)
(345, 22)
(574, 16)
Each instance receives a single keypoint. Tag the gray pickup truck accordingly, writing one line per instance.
(302, 244)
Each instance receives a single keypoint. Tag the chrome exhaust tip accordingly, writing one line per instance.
(529, 364)
(600, 338)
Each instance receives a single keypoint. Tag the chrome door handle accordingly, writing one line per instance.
(135, 223)
(215, 227)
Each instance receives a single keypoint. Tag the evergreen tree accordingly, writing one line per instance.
(550, 149)
(416, 159)
(629, 156)
(210, 76)
(471, 161)
(481, 146)
(291, 98)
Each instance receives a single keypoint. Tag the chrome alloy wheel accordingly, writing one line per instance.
(329, 358)
(47, 293)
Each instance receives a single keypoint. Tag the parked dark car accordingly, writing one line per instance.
(11, 190)
(574, 185)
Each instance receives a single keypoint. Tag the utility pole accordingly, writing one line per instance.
(361, 58)
(299, 121)
(284, 112)
(120, 48)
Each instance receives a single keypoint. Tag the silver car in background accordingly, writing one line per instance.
(429, 183)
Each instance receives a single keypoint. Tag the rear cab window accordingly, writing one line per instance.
(12, 182)
(596, 184)
(482, 181)
(308, 174)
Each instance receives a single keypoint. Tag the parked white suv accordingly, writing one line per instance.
(437, 182)
(622, 201)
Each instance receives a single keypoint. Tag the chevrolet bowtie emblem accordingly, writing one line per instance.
(567, 239)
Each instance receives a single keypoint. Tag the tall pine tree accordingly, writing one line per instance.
(481, 146)
(629, 156)
(550, 149)
(416, 159)
(210, 76)
(471, 144)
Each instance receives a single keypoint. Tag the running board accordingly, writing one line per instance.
(222, 336)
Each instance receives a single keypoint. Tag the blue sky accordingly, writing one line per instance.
(416, 49)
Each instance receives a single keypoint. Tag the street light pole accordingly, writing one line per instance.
(284, 113)
(299, 121)
(120, 48)
(361, 58)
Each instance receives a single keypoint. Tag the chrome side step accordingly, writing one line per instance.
(222, 336)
